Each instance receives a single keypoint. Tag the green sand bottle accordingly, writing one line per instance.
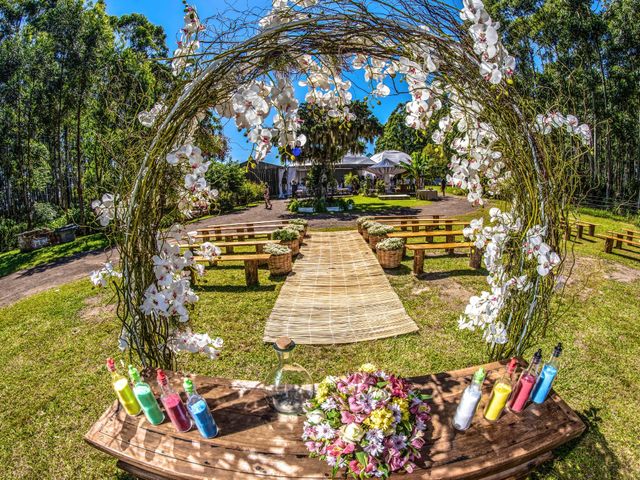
(145, 398)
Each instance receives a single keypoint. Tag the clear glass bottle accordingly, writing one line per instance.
(176, 411)
(199, 411)
(146, 398)
(525, 384)
(291, 384)
(547, 376)
(469, 402)
(123, 390)
(500, 394)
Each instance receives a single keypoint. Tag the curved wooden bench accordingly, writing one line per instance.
(255, 443)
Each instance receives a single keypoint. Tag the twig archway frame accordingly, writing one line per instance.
(498, 143)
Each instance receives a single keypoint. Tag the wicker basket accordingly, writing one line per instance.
(280, 264)
(374, 239)
(359, 229)
(294, 245)
(365, 234)
(389, 258)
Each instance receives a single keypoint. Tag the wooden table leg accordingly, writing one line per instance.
(592, 230)
(580, 230)
(418, 262)
(608, 245)
(619, 241)
(251, 272)
(228, 250)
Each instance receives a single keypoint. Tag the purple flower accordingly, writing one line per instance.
(396, 442)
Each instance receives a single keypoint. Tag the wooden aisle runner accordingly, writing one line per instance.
(337, 293)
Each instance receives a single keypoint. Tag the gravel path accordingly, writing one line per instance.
(24, 283)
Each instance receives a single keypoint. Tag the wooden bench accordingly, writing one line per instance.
(256, 443)
(395, 196)
(630, 234)
(251, 263)
(229, 246)
(403, 217)
(233, 236)
(427, 235)
(619, 239)
(241, 228)
(250, 224)
(419, 249)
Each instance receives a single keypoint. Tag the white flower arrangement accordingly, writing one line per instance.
(276, 249)
(378, 229)
(390, 244)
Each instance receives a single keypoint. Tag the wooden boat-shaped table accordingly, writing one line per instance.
(256, 443)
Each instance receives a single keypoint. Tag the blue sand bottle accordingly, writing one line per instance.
(200, 412)
(547, 376)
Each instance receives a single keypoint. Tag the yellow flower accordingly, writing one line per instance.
(322, 392)
(382, 418)
(368, 368)
(403, 405)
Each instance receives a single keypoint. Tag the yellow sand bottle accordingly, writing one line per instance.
(500, 393)
(123, 390)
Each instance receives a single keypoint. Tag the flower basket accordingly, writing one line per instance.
(294, 245)
(374, 239)
(389, 258)
(365, 234)
(280, 264)
(373, 434)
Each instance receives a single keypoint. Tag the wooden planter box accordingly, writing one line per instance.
(256, 443)
(280, 264)
(389, 258)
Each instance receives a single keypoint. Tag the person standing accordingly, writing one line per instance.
(294, 188)
(443, 186)
(267, 198)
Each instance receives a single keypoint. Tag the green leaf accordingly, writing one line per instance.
(362, 458)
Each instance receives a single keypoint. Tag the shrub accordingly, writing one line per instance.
(390, 244)
(44, 214)
(297, 227)
(9, 230)
(299, 221)
(286, 235)
(293, 206)
(380, 187)
(368, 223)
(378, 229)
(276, 249)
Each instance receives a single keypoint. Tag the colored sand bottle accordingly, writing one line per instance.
(123, 390)
(200, 412)
(145, 398)
(173, 405)
(547, 376)
(500, 393)
(525, 384)
(469, 402)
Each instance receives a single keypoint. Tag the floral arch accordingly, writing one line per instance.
(450, 62)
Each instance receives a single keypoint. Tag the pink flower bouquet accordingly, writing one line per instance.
(369, 422)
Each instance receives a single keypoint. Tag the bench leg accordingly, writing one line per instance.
(592, 230)
(608, 245)
(228, 250)
(259, 248)
(251, 272)
(475, 259)
(580, 231)
(567, 233)
(619, 243)
(418, 262)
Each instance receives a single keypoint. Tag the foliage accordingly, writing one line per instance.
(9, 230)
(285, 235)
(361, 220)
(276, 249)
(427, 165)
(390, 244)
(379, 229)
(351, 179)
(299, 221)
(584, 56)
(380, 186)
(397, 135)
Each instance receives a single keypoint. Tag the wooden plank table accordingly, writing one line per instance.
(256, 443)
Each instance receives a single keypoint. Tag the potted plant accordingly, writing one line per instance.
(377, 232)
(300, 221)
(299, 229)
(280, 261)
(365, 228)
(389, 252)
(360, 221)
(290, 238)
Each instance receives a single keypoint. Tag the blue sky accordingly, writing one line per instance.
(169, 13)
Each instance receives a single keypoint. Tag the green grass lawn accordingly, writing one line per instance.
(372, 205)
(53, 346)
(15, 260)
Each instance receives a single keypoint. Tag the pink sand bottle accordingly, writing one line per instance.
(525, 384)
(176, 411)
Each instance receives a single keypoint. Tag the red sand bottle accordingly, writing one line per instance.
(173, 405)
(525, 384)
(123, 390)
